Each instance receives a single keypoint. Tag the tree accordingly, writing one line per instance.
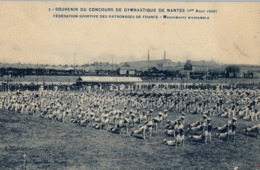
(188, 65)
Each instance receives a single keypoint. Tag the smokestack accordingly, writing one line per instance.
(164, 57)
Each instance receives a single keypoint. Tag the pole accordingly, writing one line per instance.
(37, 71)
(74, 63)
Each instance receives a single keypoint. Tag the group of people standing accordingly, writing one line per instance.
(146, 112)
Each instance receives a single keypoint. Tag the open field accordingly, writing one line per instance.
(49, 144)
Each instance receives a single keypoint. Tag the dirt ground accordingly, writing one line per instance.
(30, 142)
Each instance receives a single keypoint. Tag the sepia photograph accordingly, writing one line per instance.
(129, 85)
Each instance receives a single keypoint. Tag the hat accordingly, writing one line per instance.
(234, 119)
(205, 116)
(165, 110)
(151, 110)
(150, 123)
(182, 113)
(182, 117)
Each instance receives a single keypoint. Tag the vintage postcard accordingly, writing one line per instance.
(129, 85)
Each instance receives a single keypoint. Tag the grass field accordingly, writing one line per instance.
(49, 144)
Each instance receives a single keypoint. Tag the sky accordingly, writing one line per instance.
(30, 34)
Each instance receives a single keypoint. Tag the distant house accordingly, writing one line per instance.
(194, 67)
(248, 75)
(232, 71)
(199, 66)
(202, 66)
(101, 69)
(248, 71)
(126, 71)
(144, 65)
(200, 69)
(188, 65)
